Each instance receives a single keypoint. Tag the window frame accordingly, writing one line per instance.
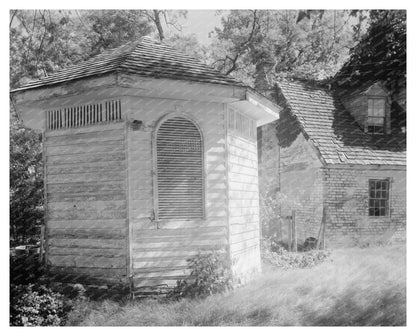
(155, 168)
(375, 198)
(374, 128)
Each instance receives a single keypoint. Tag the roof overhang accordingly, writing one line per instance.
(31, 103)
(258, 107)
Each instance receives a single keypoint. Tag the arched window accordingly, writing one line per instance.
(179, 168)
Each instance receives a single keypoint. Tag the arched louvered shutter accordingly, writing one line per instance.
(179, 161)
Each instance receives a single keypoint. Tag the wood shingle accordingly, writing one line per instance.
(333, 130)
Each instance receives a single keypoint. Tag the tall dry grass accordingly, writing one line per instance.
(359, 287)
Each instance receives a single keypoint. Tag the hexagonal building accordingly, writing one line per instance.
(150, 157)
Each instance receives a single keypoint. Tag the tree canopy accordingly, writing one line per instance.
(262, 45)
(380, 55)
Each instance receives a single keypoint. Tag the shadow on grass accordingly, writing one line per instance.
(386, 309)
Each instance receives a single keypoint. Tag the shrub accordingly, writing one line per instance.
(210, 274)
(280, 257)
(37, 305)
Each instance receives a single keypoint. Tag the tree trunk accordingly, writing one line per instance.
(159, 24)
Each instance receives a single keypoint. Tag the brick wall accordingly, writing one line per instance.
(346, 198)
(291, 177)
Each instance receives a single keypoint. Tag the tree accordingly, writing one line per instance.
(169, 17)
(266, 44)
(105, 29)
(188, 44)
(26, 181)
(380, 55)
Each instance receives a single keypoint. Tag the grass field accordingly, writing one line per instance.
(357, 287)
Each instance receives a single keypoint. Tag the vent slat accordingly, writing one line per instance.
(84, 115)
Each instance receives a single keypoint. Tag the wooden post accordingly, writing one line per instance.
(42, 237)
(289, 233)
(294, 241)
(321, 235)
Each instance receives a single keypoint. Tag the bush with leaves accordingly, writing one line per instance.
(37, 305)
(210, 274)
(278, 256)
(26, 183)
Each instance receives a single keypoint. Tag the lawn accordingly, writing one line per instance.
(355, 287)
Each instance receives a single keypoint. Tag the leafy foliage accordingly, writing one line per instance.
(278, 256)
(265, 44)
(381, 53)
(210, 274)
(34, 305)
(26, 182)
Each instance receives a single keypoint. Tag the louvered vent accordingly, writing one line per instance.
(84, 115)
(241, 124)
(179, 170)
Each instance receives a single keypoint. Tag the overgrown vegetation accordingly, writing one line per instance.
(278, 256)
(209, 275)
(37, 305)
(361, 287)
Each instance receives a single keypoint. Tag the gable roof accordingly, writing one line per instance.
(333, 130)
(145, 57)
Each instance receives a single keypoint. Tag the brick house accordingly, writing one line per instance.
(346, 153)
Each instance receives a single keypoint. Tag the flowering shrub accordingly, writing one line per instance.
(210, 274)
(280, 257)
(34, 305)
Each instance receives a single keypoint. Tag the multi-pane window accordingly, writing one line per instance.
(378, 204)
(376, 115)
(179, 166)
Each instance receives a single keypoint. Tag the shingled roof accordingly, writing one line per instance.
(145, 57)
(333, 130)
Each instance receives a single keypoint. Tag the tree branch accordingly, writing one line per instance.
(11, 19)
(243, 46)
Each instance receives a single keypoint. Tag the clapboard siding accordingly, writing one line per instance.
(166, 246)
(97, 252)
(87, 243)
(85, 188)
(87, 204)
(88, 261)
(93, 275)
(98, 196)
(82, 138)
(85, 158)
(87, 224)
(103, 146)
(76, 168)
(243, 205)
(89, 233)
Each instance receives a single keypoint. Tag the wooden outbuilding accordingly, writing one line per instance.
(150, 156)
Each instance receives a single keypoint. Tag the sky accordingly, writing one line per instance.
(201, 23)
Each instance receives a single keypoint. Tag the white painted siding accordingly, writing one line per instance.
(243, 206)
(159, 250)
(86, 200)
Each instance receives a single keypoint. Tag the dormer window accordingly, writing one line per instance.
(376, 115)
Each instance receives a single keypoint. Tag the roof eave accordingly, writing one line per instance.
(258, 107)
